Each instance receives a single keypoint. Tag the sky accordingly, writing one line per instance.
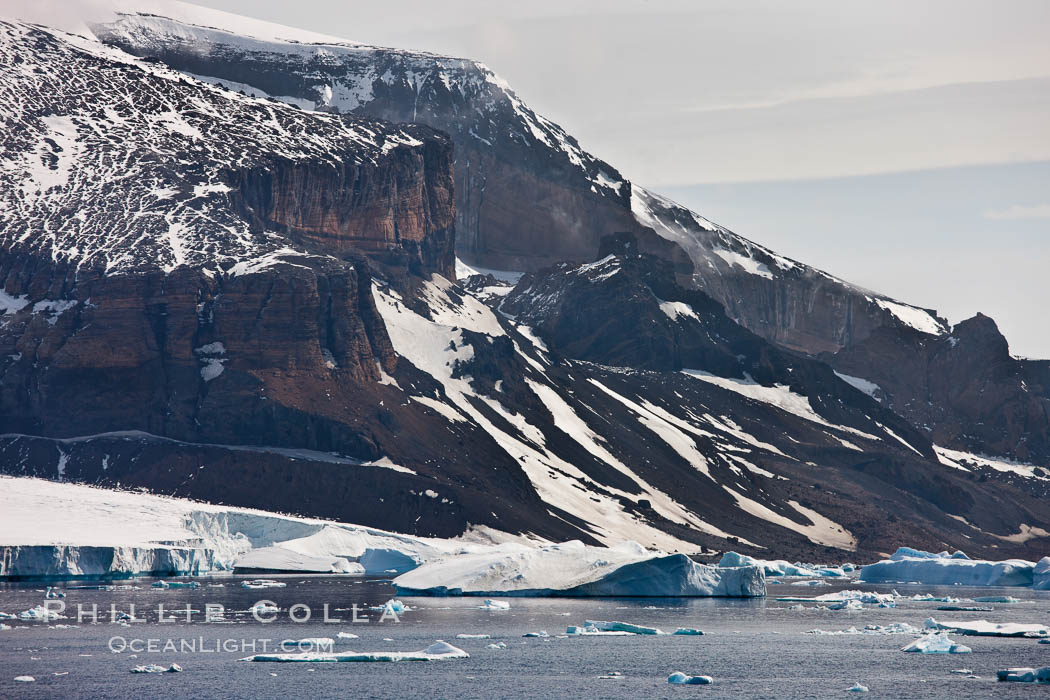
(812, 126)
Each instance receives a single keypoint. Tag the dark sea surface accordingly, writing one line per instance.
(752, 648)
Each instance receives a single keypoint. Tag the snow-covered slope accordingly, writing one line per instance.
(112, 164)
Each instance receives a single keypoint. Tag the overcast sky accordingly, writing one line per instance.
(753, 112)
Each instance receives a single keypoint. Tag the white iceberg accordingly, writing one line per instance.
(858, 688)
(347, 635)
(392, 606)
(438, 651)
(983, 628)
(473, 636)
(497, 645)
(278, 559)
(909, 565)
(176, 584)
(892, 628)
(777, 567)
(679, 678)
(39, 614)
(575, 569)
(936, 643)
(1024, 675)
(24, 679)
(495, 605)
(881, 599)
(575, 631)
(847, 605)
(154, 668)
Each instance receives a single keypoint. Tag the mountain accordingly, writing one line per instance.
(527, 196)
(228, 298)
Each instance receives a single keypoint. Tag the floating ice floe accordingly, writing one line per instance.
(689, 631)
(679, 678)
(347, 635)
(176, 584)
(438, 651)
(811, 582)
(39, 614)
(847, 605)
(495, 605)
(936, 643)
(882, 599)
(894, 628)
(996, 599)
(911, 565)
(497, 645)
(541, 633)
(263, 583)
(154, 668)
(963, 608)
(575, 569)
(612, 676)
(473, 636)
(983, 628)
(574, 631)
(25, 679)
(1025, 675)
(858, 688)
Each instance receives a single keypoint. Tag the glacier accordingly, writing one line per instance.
(575, 569)
(910, 565)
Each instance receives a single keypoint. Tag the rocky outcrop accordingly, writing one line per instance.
(965, 388)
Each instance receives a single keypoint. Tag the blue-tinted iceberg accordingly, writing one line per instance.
(1025, 675)
(983, 628)
(679, 678)
(910, 565)
(575, 569)
(937, 643)
(1041, 575)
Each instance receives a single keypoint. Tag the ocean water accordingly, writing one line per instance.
(752, 648)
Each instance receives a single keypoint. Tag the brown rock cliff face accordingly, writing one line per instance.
(404, 202)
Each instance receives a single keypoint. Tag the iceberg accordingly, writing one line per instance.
(495, 605)
(847, 605)
(621, 627)
(576, 569)
(858, 688)
(473, 636)
(438, 651)
(39, 614)
(1041, 575)
(963, 608)
(154, 668)
(497, 645)
(262, 608)
(1024, 675)
(777, 567)
(997, 599)
(347, 635)
(24, 679)
(392, 606)
(176, 584)
(983, 628)
(689, 631)
(279, 559)
(936, 643)
(679, 678)
(542, 633)
(574, 631)
(910, 565)
(881, 599)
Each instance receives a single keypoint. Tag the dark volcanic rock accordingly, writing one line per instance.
(965, 388)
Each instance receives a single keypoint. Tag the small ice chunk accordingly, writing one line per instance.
(996, 599)
(542, 633)
(392, 606)
(688, 631)
(847, 605)
(858, 688)
(24, 679)
(495, 605)
(936, 643)
(176, 584)
(962, 671)
(263, 583)
(264, 608)
(497, 645)
(347, 635)
(53, 593)
(473, 636)
(679, 678)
